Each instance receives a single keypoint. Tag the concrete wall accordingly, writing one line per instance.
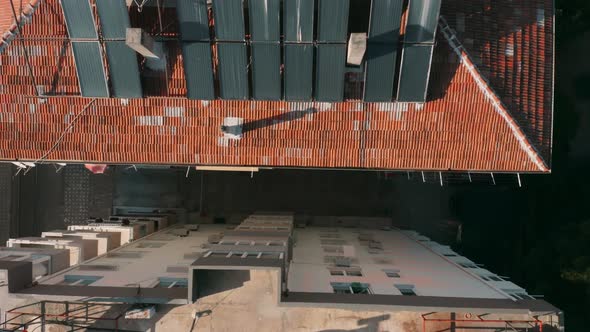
(144, 261)
(41, 201)
(75, 247)
(6, 201)
(301, 191)
(59, 258)
(44, 199)
(103, 240)
(20, 274)
(431, 273)
(126, 233)
(60, 261)
(148, 188)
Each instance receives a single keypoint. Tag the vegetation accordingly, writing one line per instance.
(540, 235)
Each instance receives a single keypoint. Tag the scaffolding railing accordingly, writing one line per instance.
(478, 322)
(73, 314)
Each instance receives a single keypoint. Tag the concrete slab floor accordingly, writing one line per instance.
(253, 307)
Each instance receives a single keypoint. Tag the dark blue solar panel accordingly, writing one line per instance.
(90, 69)
(380, 72)
(266, 71)
(414, 73)
(333, 20)
(79, 19)
(123, 70)
(193, 20)
(114, 18)
(329, 80)
(229, 20)
(385, 21)
(298, 20)
(422, 21)
(198, 70)
(298, 71)
(264, 20)
(233, 70)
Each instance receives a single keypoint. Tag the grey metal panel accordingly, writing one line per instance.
(114, 18)
(414, 73)
(198, 70)
(298, 20)
(385, 21)
(333, 20)
(264, 20)
(91, 75)
(229, 19)
(193, 19)
(123, 70)
(422, 21)
(329, 80)
(266, 71)
(298, 71)
(233, 71)
(79, 19)
(380, 72)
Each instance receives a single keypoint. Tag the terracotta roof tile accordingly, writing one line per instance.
(460, 129)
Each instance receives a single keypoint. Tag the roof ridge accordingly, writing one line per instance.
(25, 17)
(491, 95)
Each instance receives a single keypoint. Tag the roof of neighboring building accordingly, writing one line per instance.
(496, 117)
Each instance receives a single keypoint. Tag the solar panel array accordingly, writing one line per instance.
(248, 49)
(382, 46)
(193, 21)
(417, 50)
(123, 66)
(86, 48)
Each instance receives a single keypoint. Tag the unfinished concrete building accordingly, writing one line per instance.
(311, 264)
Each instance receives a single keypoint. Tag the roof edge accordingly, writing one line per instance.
(491, 95)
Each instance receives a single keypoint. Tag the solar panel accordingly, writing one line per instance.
(90, 69)
(333, 20)
(114, 18)
(193, 19)
(198, 70)
(266, 71)
(79, 19)
(414, 73)
(329, 80)
(380, 72)
(385, 21)
(422, 21)
(381, 55)
(298, 71)
(124, 70)
(264, 20)
(233, 70)
(229, 20)
(298, 20)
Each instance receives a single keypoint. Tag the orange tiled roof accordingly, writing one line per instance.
(9, 27)
(466, 126)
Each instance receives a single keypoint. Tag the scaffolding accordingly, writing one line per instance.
(480, 323)
(75, 315)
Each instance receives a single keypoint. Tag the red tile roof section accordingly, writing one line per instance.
(459, 130)
(23, 10)
(513, 43)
